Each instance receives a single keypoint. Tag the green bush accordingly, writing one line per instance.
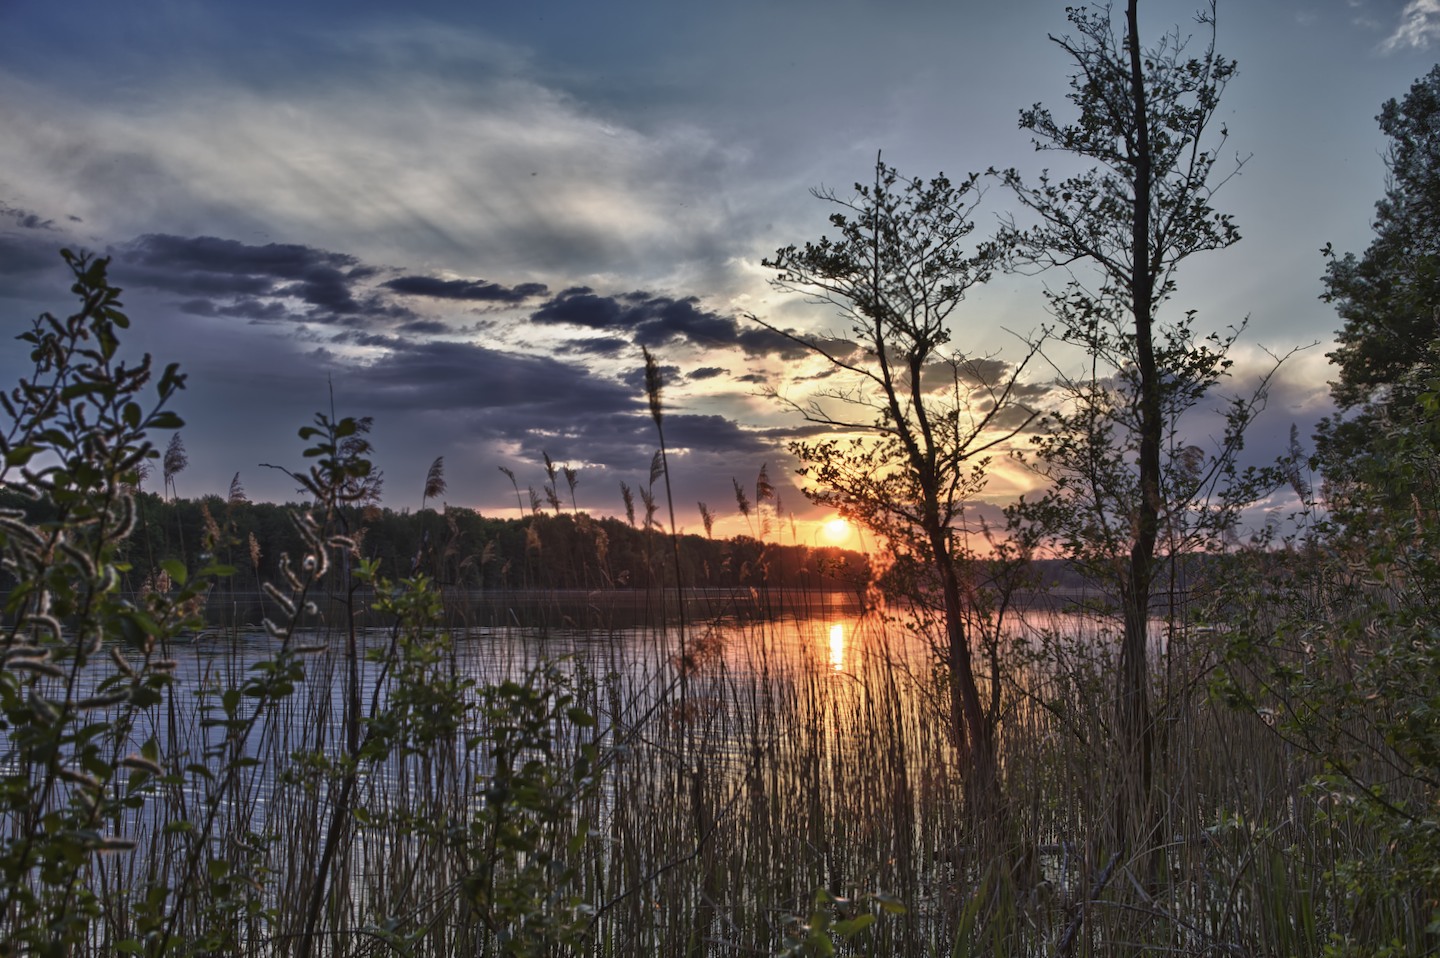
(127, 798)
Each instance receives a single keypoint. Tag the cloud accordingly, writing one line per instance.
(635, 379)
(608, 346)
(1419, 25)
(26, 219)
(580, 306)
(716, 434)
(26, 258)
(247, 308)
(477, 290)
(259, 281)
(423, 326)
(656, 321)
(980, 372)
(350, 337)
(210, 264)
(706, 372)
(464, 378)
(437, 142)
(529, 403)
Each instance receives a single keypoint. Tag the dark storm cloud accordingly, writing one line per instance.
(351, 337)
(423, 326)
(706, 372)
(1012, 417)
(597, 346)
(208, 263)
(23, 256)
(579, 306)
(464, 379)
(669, 320)
(714, 434)
(477, 290)
(536, 402)
(635, 378)
(759, 341)
(826, 373)
(254, 277)
(982, 373)
(243, 307)
(656, 321)
(989, 370)
(26, 219)
(1031, 392)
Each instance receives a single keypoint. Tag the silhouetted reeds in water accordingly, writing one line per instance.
(815, 777)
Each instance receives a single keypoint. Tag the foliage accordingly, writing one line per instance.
(82, 667)
(834, 920)
(473, 553)
(100, 769)
(1125, 480)
(1389, 345)
(1353, 683)
(524, 873)
(1342, 653)
(916, 417)
(173, 463)
(1088, 449)
(1387, 296)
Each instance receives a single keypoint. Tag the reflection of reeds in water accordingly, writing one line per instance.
(822, 761)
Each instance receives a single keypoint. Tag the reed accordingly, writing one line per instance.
(705, 824)
(728, 776)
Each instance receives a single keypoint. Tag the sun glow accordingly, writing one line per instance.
(837, 530)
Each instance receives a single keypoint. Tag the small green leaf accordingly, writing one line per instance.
(889, 904)
(175, 570)
(851, 927)
(580, 718)
(20, 455)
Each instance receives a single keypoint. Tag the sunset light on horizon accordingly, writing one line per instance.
(466, 220)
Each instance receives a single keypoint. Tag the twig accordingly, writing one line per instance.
(1077, 910)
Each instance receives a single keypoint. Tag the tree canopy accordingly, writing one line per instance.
(917, 417)
(1388, 295)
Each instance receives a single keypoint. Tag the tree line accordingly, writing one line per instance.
(1323, 637)
(1130, 490)
(459, 548)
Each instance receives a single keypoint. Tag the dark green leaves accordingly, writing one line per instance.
(77, 434)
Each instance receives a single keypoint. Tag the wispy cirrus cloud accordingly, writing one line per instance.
(450, 150)
(1419, 27)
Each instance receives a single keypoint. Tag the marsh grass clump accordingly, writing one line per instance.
(80, 669)
(386, 766)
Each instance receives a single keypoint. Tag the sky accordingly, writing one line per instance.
(465, 219)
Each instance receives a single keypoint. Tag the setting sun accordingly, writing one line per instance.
(837, 530)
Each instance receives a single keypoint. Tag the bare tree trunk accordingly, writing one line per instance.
(973, 729)
(1135, 808)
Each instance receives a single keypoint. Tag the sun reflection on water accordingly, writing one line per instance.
(837, 647)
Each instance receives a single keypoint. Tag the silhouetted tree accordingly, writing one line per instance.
(1121, 469)
(1389, 299)
(918, 416)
